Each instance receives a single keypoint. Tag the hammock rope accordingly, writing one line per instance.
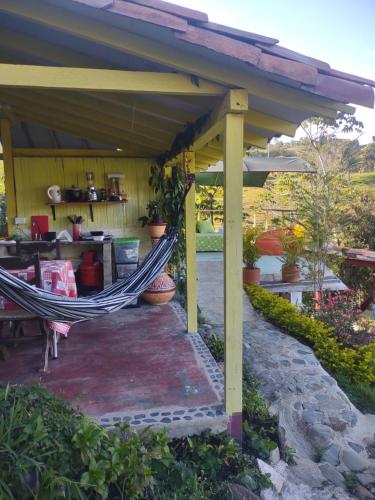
(54, 307)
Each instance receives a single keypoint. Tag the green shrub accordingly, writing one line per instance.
(216, 346)
(361, 394)
(358, 364)
(49, 450)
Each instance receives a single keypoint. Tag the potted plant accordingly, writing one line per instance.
(154, 220)
(293, 244)
(251, 273)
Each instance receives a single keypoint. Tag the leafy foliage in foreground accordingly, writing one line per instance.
(356, 363)
(49, 450)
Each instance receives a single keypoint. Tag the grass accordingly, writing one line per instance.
(365, 181)
(362, 395)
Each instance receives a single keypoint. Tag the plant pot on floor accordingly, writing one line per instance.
(157, 229)
(290, 273)
(251, 276)
(161, 291)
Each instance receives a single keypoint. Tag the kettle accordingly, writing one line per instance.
(54, 193)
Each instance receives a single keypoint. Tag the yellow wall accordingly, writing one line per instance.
(34, 175)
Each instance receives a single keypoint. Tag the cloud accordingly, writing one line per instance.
(372, 53)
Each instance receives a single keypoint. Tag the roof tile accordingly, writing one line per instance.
(343, 91)
(293, 70)
(221, 44)
(238, 34)
(191, 15)
(149, 15)
(277, 50)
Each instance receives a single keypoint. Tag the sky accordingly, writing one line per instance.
(340, 32)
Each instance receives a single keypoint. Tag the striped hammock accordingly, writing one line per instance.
(54, 307)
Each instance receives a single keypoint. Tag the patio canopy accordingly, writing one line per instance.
(148, 79)
(255, 170)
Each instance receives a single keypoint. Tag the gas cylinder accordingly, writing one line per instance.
(90, 271)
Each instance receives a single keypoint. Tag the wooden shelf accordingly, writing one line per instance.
(90, 204)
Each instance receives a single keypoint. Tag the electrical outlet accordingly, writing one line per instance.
(20, 220)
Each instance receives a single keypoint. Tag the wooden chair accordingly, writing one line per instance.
(41, 247)
(17, 317)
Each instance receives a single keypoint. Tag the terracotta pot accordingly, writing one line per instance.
(290, 274)
(157, 230)
(161, 291)
(268, 243)
(251, 276)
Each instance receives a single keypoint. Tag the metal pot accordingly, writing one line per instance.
(73, 194)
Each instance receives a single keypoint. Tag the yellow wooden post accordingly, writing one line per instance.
(10, 187)
(233, 184)
(190, 241)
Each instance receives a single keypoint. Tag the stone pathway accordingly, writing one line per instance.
(330, 436)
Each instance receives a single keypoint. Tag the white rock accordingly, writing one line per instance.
(275, 456)
(276, 479)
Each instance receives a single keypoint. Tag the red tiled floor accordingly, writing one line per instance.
(134, 360)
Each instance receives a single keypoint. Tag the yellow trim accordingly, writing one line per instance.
(190, 253)
(9, 177)
(108, 80)
(233, 183)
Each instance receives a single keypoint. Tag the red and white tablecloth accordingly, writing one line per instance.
(57, 276)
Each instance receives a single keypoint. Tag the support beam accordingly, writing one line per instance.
(10, 185)
(233, 184)
(235, 101)
(270, 123)
(191, 264)
(105, 80)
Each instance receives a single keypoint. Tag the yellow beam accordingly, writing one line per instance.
(270, 123)
(207, 135)
(190, 253)
(233, 184)
(69, 153)
(106, 80)
(124, 41)
(9, 177)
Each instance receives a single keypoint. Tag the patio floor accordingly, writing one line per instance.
(137, 365)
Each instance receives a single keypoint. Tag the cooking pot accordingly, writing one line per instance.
(73, 194)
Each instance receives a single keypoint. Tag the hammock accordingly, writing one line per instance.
(54, 307)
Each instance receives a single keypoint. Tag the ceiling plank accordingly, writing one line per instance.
(22, 106)
(86, 131)
(69, 153)
(78, 111)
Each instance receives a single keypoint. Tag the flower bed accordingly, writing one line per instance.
(356, 363)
